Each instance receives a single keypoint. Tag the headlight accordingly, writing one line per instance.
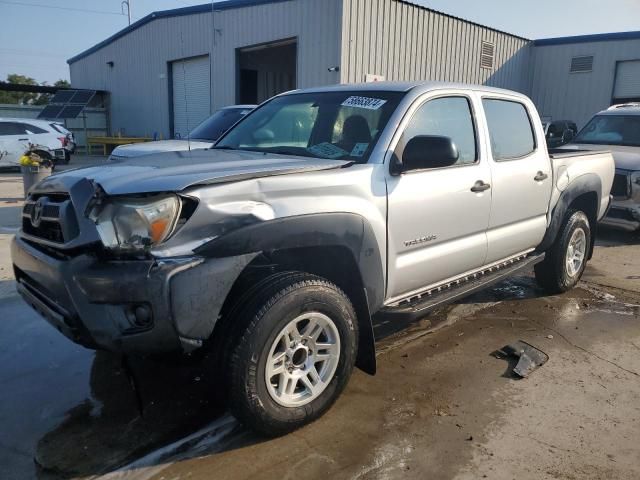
(137, 223)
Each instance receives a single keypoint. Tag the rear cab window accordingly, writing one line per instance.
(510, 129)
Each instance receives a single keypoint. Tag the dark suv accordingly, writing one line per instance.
(559, 132)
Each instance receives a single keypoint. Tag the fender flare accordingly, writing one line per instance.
(587, 183)
(348, 230)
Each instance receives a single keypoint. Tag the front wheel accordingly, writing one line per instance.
(295, 354)
(566, 260)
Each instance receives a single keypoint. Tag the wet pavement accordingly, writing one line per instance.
(443, 405)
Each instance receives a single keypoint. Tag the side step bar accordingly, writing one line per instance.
(420, 305)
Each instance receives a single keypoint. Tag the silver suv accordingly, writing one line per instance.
(618, 129)
(273, 250)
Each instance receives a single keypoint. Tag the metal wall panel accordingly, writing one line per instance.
(139, 79)
(404, 41)
(561, 95)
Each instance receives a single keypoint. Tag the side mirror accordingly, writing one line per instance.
(428, 151)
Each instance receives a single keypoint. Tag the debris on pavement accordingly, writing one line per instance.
(530, 357)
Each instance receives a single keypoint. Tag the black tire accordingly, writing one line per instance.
(67, 157)
(259, 322)
(552, 274)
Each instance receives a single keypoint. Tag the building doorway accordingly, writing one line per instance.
(266, 70)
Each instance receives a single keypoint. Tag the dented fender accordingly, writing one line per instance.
(347, 230)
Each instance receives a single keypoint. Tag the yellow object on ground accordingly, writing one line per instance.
(109, 143)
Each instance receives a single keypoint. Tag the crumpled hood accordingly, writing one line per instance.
(175, 171)
(147, 148)
(626, 158)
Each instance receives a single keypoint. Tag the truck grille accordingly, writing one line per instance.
(50, 217)
(621, 185)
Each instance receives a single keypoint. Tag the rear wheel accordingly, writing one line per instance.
(566, 260)
(294, 354)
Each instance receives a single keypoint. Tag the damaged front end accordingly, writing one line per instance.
(107, 280)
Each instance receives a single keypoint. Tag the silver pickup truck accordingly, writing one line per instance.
(272, 251)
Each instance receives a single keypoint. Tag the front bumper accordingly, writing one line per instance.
(98, 303)
(623, 215)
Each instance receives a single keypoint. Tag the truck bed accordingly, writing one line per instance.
(556, 153)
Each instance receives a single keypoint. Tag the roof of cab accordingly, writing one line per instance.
(404, 87)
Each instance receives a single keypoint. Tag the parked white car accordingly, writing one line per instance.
(17, 133)
(618, 129)
(201, 137)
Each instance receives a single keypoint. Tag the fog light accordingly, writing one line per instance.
(140, 316)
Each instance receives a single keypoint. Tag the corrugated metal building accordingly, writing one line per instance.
(171, 69)
(575, 77)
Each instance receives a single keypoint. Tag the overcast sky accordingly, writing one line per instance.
(36, 40)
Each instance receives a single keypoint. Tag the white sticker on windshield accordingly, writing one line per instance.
(327, 150)
(364, 102)
(359, 150)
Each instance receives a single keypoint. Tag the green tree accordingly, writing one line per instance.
(62, 83)
(45, 98)
(26, 98)
(23, 98)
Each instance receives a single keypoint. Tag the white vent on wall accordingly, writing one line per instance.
(582, 64)
(487, 53)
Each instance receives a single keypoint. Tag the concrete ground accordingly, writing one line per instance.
(444, 404)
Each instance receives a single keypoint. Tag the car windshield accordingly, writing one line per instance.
(330, 125)
(218, 123)
(611, 130)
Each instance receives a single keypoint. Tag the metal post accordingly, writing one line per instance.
(128, 4)
(87, 148)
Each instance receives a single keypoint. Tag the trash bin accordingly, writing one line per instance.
(32, 174)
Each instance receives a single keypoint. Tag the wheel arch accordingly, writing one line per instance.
(340, 247)
(581, 194)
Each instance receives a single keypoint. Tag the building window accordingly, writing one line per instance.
(582, 64)
(487, 54)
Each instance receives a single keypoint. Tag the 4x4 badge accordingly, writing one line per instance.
(417, 241)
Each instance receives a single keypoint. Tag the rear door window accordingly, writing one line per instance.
(510, 129)
(12, 128)
(32, 129)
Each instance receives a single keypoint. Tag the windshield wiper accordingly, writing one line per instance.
(224, 147)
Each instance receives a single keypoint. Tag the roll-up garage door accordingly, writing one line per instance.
(191, 94)
(627, 81)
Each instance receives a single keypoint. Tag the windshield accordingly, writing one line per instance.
(332, 125)
(611, 130)
(218, 123)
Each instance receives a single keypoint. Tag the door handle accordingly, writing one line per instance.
(480, 186)
(540, 176)
(23, 139)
